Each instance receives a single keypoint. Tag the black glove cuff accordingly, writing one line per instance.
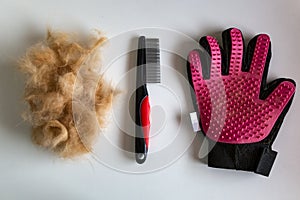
(256, 157)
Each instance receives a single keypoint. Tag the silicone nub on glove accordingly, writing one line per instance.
(239, 113)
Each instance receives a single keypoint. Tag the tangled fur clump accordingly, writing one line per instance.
(68, 99)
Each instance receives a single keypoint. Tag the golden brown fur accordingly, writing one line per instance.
(68, 100)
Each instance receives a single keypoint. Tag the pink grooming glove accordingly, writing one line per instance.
(239, 112)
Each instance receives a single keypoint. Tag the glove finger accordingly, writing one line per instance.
(210, 44)
(281, 95)
(261, 55)
(197, 77)
(233, 44)
(195, 67)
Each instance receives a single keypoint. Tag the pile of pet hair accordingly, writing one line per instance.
(68, 98)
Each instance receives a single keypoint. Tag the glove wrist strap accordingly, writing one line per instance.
(255, 157)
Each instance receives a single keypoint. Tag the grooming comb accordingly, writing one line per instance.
(148, 71)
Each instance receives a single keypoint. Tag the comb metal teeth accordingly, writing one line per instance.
(152, 61)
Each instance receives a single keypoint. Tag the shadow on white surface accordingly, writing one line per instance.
(12, 83)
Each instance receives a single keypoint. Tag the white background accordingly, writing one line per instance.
(28, 172)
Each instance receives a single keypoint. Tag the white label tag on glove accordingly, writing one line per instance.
(195, 122)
